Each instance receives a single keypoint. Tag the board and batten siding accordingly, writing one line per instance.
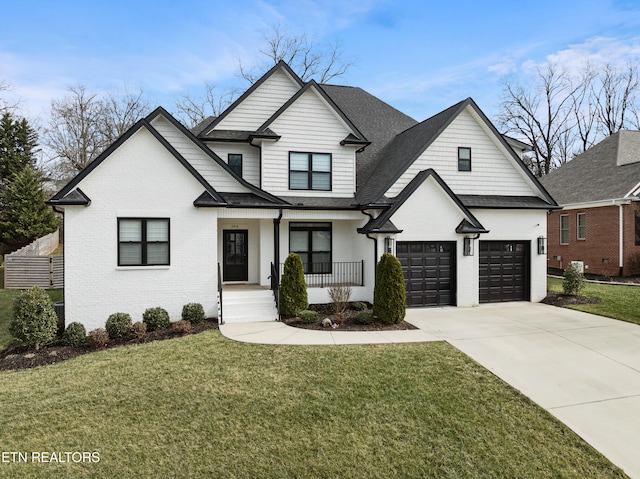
(493, 170)
(250, 158)
(309, 125)
(211, 171)
(263, 102)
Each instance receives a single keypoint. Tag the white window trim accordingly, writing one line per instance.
(564, 216)
(583, 238)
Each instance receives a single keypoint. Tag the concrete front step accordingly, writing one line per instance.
(250, 305)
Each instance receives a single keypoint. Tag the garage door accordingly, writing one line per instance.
(504, 271)
(429, 272)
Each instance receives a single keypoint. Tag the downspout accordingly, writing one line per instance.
(375, 248)
(621, 239)
(276, 242)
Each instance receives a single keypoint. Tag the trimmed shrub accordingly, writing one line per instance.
(308, 317)
(156, 318)
(193, 312)
(293, 288)
(74, 335)
(358, 306)
(97, 338)
(183, 326)
(34, 320)
(137, 330)
(573, 282)
(364, 318)
(389, 297)
(117, 325)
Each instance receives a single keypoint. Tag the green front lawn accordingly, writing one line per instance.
(203, 406)
(618, 301)
(6, 305)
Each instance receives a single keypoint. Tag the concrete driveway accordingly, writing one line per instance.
(584, 369)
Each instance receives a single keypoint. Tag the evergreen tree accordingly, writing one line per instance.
(24, 216)
(18, 142)
(293, 288)
(389, 296)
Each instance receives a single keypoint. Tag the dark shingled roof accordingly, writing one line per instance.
(499, 202)
(378, 121)
(595, 175)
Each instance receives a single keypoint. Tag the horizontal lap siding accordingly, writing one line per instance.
(309, 125)
(22, 272)
(250, 159)
(261, 104)
(493, 172)
(212, 172)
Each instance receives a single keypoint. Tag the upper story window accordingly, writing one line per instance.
(464, 158)
(564, 229)
(235, 162)
(143, 241)
(582, 226)
(309, 171)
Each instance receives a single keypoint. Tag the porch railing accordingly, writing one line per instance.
(220, 319)
(323, 275)
(275, 287)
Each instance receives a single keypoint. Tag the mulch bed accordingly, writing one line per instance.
(561, 300)
(349, 324)
(24, 357)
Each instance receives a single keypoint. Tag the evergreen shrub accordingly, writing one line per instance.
(74, 335)
(156, 318)
(193, 312)
(573, 282)
(308, 317)
(117, 325)
(34, 320)
(293, 288)
(389, 297)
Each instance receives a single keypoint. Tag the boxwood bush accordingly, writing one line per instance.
(117, 325)
(364, 318)
(156, 318)
(573, 282)
(308, 316)
(74, 335)
(34, 320)
(193, 312)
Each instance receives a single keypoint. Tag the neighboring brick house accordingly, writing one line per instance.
(599, 224)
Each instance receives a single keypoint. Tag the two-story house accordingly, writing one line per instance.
(331, 173)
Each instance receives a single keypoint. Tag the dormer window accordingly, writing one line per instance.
(309, 171)
(464, 158)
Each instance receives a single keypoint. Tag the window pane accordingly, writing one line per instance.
(299, 241)
(157, 230)
(299, 161)
(464, 153)
(321, 181)
(130, 254)
(321, 240)
(235, 162)
(158, 253)
(321, 162)
(299, 181)
(321, 263)
(130, 230)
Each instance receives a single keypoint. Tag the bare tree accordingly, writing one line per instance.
(5, 104)
(615, 95)
(83, 124)
(301, 53)
(540, 114)
(193, 110)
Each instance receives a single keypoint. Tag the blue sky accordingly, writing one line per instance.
(421, 56)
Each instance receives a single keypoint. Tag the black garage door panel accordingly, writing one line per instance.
(428, 269)
(504, 271)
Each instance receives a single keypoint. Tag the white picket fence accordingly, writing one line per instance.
(31, 266)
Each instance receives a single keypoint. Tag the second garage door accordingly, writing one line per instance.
(504, 271)
(429, 272)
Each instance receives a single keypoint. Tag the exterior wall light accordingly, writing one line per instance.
(542, 245)
(388, 244)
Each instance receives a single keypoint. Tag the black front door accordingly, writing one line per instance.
(234, 264)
